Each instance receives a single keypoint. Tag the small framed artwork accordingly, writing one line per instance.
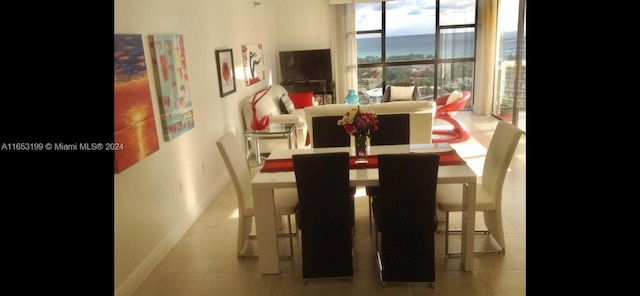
(226, 73)
(319, 98)
(328, 99)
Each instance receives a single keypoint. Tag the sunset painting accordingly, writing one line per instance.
(135, 126)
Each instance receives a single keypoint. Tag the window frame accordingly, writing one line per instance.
(436, 62)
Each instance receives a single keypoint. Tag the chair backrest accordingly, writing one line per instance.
(408, 185)
(233, 156)
(393, 129)
(327, 132)
(323, 110)
(421, 117)
(499, 154)
(325, 214)
(322, 180)
(387, 96)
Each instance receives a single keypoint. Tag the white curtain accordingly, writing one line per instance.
(486, 26)
(343, 48)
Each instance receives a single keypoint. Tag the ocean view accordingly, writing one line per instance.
(463, 44)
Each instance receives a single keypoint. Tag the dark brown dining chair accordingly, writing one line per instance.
(325, 215)
(393, 129)
(404, 237)
(327, 133)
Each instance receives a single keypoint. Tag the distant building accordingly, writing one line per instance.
(507, 83)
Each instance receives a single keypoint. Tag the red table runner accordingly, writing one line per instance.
(286, 165)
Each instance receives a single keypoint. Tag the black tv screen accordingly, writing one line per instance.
(303, 65)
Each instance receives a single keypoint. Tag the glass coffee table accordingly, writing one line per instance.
(274, 131)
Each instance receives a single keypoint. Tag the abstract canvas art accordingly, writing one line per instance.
(253, 63)
(134, 123)
(172, 83)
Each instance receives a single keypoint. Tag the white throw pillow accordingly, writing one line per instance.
(401, 93)
(454, 96)
(287, 104)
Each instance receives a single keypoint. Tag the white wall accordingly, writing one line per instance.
(302, 25)
(150, 211)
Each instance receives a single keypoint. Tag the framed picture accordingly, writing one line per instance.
(328, 99)
(319, 98)
(226, 72)
(253, 63)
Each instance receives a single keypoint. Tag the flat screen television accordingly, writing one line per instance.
(303, 65)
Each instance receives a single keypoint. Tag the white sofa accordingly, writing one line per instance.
(421, 116)
(269, 105)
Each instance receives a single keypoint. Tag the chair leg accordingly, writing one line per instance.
(290, 236)
(446, 241)
(244, 234)
(375, 239)
(446, 235)
(370, 215)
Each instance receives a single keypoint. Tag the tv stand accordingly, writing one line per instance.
(323, 90)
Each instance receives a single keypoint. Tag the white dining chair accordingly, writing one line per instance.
(489, 190)
(285, 199)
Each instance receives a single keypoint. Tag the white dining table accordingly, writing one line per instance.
(263, 184)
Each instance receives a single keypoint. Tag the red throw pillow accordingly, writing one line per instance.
(301, 100)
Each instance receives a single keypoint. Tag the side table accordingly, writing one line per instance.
(274, 131)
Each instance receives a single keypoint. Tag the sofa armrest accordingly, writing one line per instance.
(286, 118)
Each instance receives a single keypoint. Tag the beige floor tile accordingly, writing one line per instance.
(171, 285)
(235, 284)
(505, 282)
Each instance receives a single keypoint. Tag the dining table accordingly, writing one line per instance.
(277, 173)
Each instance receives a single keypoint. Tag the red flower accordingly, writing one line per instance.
(356, 122)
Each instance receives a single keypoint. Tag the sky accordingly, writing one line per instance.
(407, 17)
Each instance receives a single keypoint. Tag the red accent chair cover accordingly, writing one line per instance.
(446, 112)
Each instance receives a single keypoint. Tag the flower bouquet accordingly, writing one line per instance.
(359, 124)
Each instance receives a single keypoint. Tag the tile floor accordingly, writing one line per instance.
(203, 262)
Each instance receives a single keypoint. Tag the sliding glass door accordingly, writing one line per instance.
(510, 84)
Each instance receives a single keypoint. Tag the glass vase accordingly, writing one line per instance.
(352, 98)
(361, 148)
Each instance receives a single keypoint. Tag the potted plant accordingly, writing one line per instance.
(506, 107)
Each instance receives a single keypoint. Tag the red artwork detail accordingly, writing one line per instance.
(262, 123)
(165, 70)
(226, 73)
